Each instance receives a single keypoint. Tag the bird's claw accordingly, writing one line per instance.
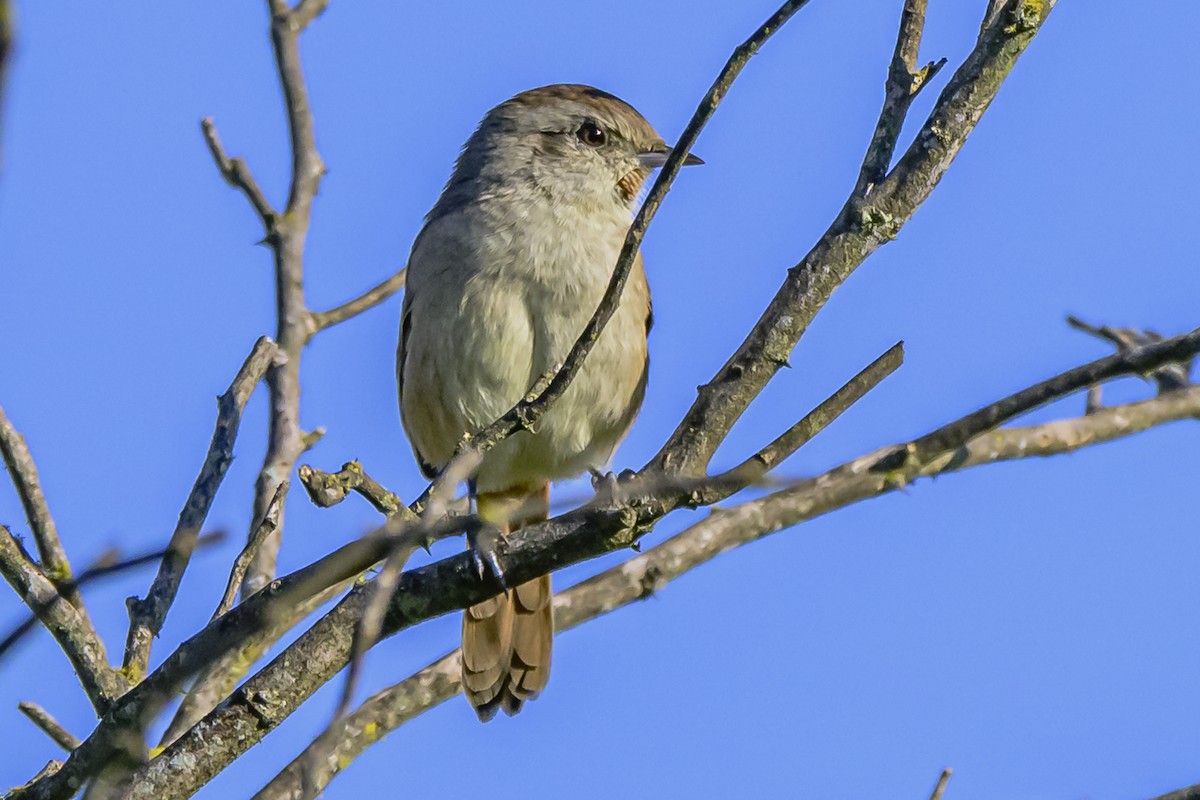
(481, 544)
(607, 485)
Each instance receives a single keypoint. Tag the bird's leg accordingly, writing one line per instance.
(482, 539)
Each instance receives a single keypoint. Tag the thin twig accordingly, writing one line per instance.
(1130, 362)
(265, 528)
(904, 81)
(49, 725)
(364, 302)
(24, 474)
(940, 788)
(146, 616)
(107, 565)
(751, 470)
(1168, 378)
(237, 174)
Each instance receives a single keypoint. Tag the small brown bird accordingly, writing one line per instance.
(504, 276)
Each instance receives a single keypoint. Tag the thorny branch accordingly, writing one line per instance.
(645, 574)
(286, 237)
(904, 82)
(452, 584)
(880, 204)
(286, 234)
(595, 529)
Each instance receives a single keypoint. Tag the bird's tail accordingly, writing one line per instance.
(507, 639)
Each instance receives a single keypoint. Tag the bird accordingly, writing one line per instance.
(507, 270)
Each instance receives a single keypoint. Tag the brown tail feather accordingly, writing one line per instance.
(507, 639)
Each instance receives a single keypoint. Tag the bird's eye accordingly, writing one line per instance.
(591, 134)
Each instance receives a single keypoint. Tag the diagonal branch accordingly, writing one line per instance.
(756, 466)
(24, 474)
(1138, 361)
(320, 320)
(237, 174)
(79, 641)
(49, 725)
(146, 616)
(852, 237)
(240, 564)
(939, 788)
(108, 564)
(452, 584)
(904, 82)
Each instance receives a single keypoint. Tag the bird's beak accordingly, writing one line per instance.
(656, 156)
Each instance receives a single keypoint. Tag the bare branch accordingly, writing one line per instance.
(49, 725)
(1130, 362)
(285, 439)
(79, 641)
(850, 239)
(265, 528)
(939, 788)
(328, 489)
(1168, 378)
(645, 574)
(364, 302)
(791, 440)
(24, 474)
(991, 14)
(306, 11)
(237, 174)
(220, 676)
(452, 584)
(110, 563)
(146, 616)
(904, 81)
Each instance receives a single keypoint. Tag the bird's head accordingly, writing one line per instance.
(574, 144)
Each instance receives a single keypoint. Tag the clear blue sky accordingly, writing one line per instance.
(1032, 625)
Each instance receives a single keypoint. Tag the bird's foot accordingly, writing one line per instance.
(608, 485)
(481, 544)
